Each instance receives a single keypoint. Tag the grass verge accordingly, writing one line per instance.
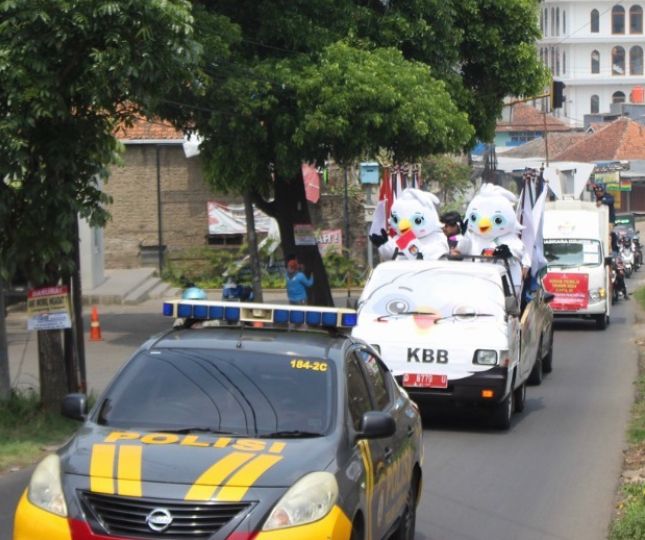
(629, 520)
(26, 431)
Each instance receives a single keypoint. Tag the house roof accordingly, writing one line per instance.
(148, 130)
(523, 117)
(623, 139)
(558, 142)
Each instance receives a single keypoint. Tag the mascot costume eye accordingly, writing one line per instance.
(418, 230)
(493, 229)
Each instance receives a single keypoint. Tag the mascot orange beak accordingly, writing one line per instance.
(484, 225)
(404, 225)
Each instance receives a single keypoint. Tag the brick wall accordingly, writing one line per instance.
(134, 210)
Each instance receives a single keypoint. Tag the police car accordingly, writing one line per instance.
(249, 421)
(451, 331)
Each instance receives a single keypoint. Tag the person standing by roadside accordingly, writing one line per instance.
(297, 283)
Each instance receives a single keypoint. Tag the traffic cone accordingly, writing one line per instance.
(95, 326)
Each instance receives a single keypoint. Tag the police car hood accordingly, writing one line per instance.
(194, 459)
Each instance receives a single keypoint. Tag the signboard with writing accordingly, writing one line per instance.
(571, 290)
(48, 308)
(304, 235)
(329, 240)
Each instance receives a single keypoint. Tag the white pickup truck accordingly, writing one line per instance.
(451, 331)
(576, 247)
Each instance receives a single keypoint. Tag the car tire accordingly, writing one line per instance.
(536, 375)
(407, 526)
(602, 321)
(519, 398)
(502, 413)
(547, 361)
(357, 529)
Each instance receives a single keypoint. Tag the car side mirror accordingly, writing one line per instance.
(548, 297)
(511, 306)
(377, 425)
(75, 406)
(609, 261)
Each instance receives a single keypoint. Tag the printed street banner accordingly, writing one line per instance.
(48, 308)
(571, 290)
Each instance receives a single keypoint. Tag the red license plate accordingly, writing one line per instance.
(425, 380)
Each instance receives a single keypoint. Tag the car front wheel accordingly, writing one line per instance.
(501, 414)
(405, 530)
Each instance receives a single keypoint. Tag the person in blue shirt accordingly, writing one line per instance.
(297, 283)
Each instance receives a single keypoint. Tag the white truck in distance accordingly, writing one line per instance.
(576, 244)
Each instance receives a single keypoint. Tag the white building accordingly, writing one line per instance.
(596, 48)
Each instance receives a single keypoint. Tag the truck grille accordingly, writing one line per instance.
(128, 516)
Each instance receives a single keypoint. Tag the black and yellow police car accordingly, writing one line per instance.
(247, 422)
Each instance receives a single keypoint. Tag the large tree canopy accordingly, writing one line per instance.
(287, 81)
(70, 71)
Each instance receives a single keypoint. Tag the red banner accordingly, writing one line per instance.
(571, 290)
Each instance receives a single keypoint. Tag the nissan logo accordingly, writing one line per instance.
(159, 519)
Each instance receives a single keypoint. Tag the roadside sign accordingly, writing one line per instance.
(48, 308)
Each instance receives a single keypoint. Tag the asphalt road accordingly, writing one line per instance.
(553, 475)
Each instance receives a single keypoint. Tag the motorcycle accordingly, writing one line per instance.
(234, 291)
(618, 279)
(627, 256)
(637, 250)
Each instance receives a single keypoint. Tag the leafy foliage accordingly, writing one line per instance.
(70, 71)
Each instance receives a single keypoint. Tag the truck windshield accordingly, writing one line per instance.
(572, 252)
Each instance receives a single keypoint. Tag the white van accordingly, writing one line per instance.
(576, 247)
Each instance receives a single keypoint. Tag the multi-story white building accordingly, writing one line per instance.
(596, 48)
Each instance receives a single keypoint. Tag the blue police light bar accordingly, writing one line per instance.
(266, 314)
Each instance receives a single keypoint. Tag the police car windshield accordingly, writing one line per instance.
(232, 392)
(436, 292)
(565, 253)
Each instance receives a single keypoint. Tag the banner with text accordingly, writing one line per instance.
(48, 309)
(571, 290)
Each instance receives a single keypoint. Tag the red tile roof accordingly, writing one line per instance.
(623, 139)
(144, 129)
(527, 118)
(558, 142)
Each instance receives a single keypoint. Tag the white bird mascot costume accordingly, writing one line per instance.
(492, 224)
(419, 234)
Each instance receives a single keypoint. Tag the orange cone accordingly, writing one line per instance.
(95, 326)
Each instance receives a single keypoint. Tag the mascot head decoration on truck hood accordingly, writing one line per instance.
(415, 210)
(491, 214)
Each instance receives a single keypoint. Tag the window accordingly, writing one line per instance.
(595, 104)
(635, 20)
(636, 60)
(595, 62)
(552, 60)
(557, 62)
(618, 61)
(557, 21)
(595, 21)
(377, 376)
(358, 397)
(553, 21)
(618, 20)
(564, 22)
(618, 97)
(546, 22)
(564, 63)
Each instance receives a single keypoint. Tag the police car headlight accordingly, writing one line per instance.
(485, 357)
(309, 499)
(45, 488)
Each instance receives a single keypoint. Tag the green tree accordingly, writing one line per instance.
(287, 81)
(70, 72)
(452, 176)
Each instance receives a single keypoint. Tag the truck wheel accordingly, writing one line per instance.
(519, 397)
(536, 375)
(601, 321)
(547, 361)
(501, 415)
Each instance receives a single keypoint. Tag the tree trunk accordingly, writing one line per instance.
(256, 271)
(53, 382)
(290, 206)
(5, 380)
